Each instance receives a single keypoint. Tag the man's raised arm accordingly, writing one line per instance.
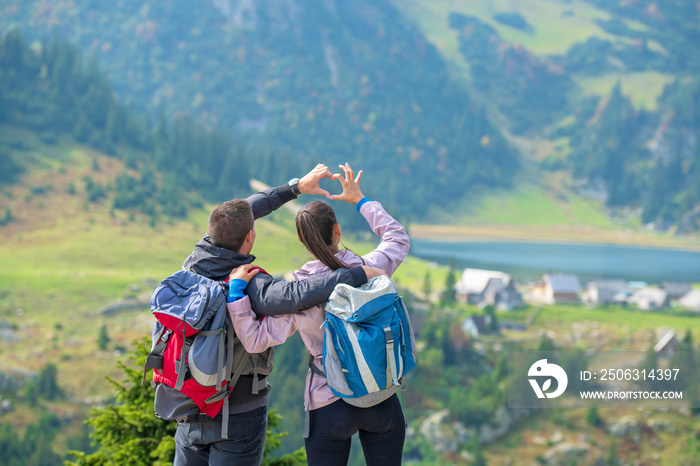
(264, 202)
(270, 296)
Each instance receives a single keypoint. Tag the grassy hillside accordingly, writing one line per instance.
(542, 206)
(540, 199)
(643, 88)
(556, 26)
(330, 82)
(525, 81)
(64, 260)
(556, 30)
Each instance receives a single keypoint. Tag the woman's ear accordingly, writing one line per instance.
(337, 234)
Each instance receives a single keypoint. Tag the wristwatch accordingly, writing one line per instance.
(294, 184)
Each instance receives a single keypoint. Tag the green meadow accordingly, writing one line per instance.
(528, 204)
(555, 28)
(609, 328)
(642, 88)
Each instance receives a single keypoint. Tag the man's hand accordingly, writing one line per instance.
(309, 183)
(372, 272)
(351, 188)
(244, 272)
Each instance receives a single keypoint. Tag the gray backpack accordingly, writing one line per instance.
(194, 350)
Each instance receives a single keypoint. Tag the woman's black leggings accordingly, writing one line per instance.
(382, 430)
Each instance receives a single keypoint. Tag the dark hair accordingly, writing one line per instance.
(315, 222)
(229, 223)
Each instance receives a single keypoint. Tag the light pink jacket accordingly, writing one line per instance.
(258, 335)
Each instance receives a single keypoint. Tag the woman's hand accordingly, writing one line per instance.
(351, 188)
(244, 272)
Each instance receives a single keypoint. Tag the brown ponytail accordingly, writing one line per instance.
(315, 222)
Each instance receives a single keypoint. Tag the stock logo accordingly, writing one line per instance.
(542, 369)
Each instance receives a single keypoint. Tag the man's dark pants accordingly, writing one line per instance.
(200, 443)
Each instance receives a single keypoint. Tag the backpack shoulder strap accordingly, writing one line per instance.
(392, 375)
(230, 379)
(307, 416)
(154, 360)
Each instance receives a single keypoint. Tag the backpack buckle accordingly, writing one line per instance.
(154, 361)
(388, 335)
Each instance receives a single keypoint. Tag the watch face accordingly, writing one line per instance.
(293, 184)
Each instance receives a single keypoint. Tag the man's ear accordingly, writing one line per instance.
(250, 240)
(247, 244)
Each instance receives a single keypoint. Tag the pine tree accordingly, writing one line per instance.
(493, 325)
(593, 418)
(12, 49)
(7, 218)
(688, 378)
(45, 386)
(127, 432)
(427, 285)
(103, 338)
(612, 454)
(9, 168)
(273, 442)
(448, 295)
(546, 344)
(83, 129)
(9, 442)
(475, 449)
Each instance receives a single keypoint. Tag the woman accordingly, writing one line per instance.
(333, 422)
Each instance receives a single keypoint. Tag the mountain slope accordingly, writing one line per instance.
(299, 82)
(606, 91)
(306, 81)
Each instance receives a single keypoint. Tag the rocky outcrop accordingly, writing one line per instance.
(447, 436)
(627, 427)
(7, 332)
(657, 425)
(15, 379)
(5, 406)
(690, 223)
(127, 304)
(443, 435)
(566, 453)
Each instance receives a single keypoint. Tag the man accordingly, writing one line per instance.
(228, 244)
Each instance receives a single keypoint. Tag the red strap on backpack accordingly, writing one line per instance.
(254, 268)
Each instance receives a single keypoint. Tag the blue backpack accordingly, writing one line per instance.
(368, 343)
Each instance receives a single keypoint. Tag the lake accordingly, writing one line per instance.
(528, 261)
